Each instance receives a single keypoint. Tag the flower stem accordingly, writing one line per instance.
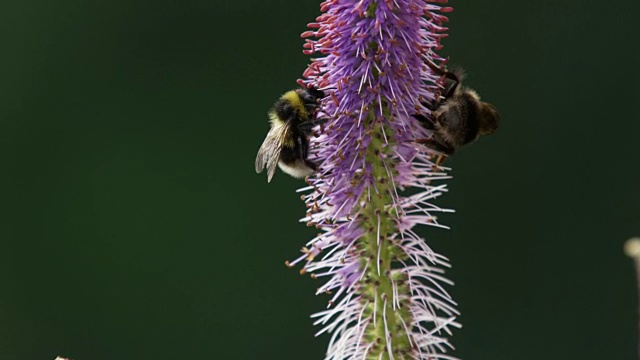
(384, 332)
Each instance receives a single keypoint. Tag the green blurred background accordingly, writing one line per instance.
(133, 225)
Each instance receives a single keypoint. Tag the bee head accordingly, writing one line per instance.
(311, 98)
(310, 95)
(490, 118)
(315, 92)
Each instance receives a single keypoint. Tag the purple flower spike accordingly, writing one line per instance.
(386, 284)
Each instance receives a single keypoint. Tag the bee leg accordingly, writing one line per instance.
(443, 148)
(311, 107)
(306, 127)
(439, 146)
(320, 121)
(303, 146)
(446, 151)
(426, 123)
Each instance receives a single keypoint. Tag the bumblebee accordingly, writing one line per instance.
(459, 116)
(292, 119)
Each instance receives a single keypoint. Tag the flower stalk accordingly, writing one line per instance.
(375, 182)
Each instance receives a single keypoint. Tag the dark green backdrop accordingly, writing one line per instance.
(133, 226)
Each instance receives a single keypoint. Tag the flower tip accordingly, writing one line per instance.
(307, 34)
(632, 248)
(447, 9)
(288, 264)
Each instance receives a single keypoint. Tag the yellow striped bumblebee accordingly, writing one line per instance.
(459, 116)
(292, 119)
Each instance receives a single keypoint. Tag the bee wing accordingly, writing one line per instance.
(269, 153)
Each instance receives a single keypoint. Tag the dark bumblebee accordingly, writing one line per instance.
(459, 116)
(292, 119)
